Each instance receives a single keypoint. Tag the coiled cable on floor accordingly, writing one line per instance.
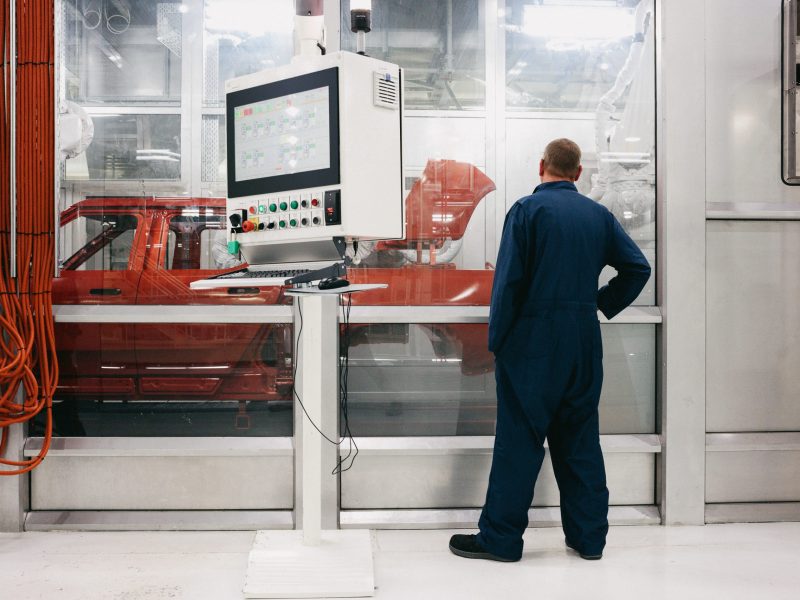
(27, 340)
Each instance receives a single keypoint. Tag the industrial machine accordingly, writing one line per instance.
(314, 157)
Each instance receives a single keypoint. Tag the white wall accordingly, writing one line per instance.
(743, 102)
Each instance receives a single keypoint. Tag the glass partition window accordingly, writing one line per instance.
(121, 379)
(130, 147)
(123, 51)
(439, 44)
(143, 206)
(438, 379)
(586, 70)
(239, 37)
(567, 55)
(242, 37)
(100, 242)
(192, 242)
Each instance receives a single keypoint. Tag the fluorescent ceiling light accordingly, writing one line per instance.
(251, 17)
(578, 23)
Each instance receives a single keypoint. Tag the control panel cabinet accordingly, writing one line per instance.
(314, 152)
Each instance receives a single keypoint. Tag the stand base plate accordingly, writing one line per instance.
(281, 566)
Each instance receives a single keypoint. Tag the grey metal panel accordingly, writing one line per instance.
(752, 442)
(158, 520)
(483, 445)
(163, 446)
(752, 211)
(459, 481)
(171, 314)
(753, 326)
(753, 512)
(742, 41)
(163, 483)
(283, 314)
(14, 490)
(467, 518)
(753, 476)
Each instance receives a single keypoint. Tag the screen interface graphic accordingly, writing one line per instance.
(284, 135)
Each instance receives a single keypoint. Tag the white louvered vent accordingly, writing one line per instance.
(385, 91)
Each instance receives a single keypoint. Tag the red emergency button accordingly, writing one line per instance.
(248, 226)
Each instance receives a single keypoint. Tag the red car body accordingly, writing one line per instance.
(247, 361)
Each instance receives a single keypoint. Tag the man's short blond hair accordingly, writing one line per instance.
(562, 158)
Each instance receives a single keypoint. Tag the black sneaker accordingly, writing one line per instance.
(467, 546)
(584, 556)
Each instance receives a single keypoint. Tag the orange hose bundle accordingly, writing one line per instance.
(27, 342)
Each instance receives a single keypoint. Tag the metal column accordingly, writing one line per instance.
(681, 283)
(316, 334)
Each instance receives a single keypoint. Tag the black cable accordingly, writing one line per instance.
(294, 377)
(343, 376)
(343, 391)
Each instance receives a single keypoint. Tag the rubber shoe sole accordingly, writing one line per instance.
(480, 555)
(582, 555)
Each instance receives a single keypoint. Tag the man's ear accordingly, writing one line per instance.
(578, 174)
(541, 168)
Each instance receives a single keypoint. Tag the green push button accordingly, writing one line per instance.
(294, 204)
(283, 206)
(233, 247)
(273, 207)
(282, 224)
(293, 222)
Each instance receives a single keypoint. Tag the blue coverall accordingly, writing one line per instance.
(544, 331)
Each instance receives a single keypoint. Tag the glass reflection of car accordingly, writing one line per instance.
(146, 251)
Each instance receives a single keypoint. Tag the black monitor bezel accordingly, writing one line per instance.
(294, 181)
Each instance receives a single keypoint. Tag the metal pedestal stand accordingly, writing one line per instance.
(315, 562)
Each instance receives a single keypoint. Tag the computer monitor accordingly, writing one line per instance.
(314, 154)
(284, 135)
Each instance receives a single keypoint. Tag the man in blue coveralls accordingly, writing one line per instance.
(544, 332)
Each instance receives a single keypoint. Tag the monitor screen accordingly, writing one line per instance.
(284, 135)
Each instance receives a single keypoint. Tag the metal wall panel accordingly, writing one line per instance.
(459, 481)
(743, 102)
(163, 483)
(753, 476)
(158, 520)
(753, 326)
(14, 490)
(465, 518)
(753, 512)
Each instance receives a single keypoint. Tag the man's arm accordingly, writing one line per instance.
(633, 271)
(509, 277)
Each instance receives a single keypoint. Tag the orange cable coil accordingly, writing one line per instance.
(27, 339)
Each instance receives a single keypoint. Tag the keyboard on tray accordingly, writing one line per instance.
(280, 274)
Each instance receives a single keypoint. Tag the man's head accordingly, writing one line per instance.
(561, 161)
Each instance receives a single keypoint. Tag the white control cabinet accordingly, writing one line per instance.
(315, 153)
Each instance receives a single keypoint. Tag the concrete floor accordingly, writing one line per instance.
(756, 561)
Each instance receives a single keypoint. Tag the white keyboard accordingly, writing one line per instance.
(248, 278)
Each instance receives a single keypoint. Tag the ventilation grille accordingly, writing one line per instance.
(385, 91)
